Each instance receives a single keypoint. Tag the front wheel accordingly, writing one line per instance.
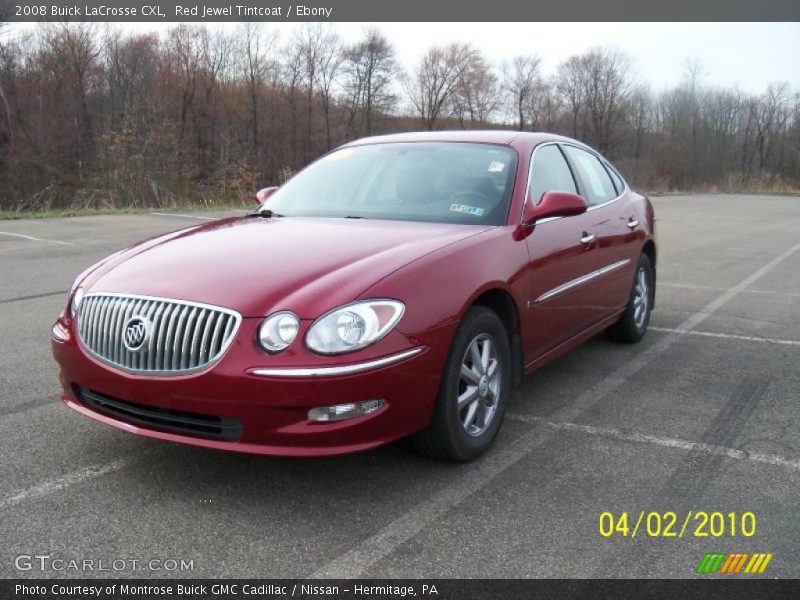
(474, 390)
(632, 326)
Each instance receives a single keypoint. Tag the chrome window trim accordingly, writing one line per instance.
(161, 373)
(603, 162)
(578, 281)
(337, 370)
(607, 164)
(530, 167)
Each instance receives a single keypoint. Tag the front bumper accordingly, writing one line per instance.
(272, 407)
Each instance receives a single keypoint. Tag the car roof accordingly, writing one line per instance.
(491, 136)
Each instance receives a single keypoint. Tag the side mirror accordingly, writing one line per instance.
(262, 195)
(553, 204)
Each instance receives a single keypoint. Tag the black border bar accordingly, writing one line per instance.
(731, 588)
(406, 11)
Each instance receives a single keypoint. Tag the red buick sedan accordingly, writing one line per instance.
(399, 286)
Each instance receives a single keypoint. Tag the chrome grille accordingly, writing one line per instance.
(181, 337)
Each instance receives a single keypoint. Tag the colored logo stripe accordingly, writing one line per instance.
(758, 563)
(734, 562)
(710, 563)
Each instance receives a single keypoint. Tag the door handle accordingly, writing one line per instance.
(587, 238)
(633, 223)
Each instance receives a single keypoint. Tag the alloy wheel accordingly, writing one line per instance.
(641, 298)
(479, 385)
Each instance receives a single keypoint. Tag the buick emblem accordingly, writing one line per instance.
(135, 333)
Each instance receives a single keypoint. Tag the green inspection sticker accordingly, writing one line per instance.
(470, 210)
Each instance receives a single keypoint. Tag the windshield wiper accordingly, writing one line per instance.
(353, 217)
(263, 213)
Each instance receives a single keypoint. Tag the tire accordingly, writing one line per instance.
(632, 325)
(459, 435)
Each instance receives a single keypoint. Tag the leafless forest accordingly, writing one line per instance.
(91, 116)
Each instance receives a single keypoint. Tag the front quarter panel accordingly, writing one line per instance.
(439, 288)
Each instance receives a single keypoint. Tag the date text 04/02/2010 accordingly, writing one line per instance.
(668, 524)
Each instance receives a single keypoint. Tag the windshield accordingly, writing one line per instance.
(418, 181)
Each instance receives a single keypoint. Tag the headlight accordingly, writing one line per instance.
(278, 331)
(353, 327)
(77, 297)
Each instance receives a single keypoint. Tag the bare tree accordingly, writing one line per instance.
(195, 114)
(330, 66)
(607, 90)
(131, 66)
(369, 69)
(772, 116)
(312, 43)
(73, 51)
(5, 12)
(521, 78)
(475, 96)
(641, 118)
(292, 62)
(435, 80)
(255, 56)
(569, 80)
(184, 53)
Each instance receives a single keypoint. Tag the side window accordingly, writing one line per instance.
(550, 172)
(593, 175)
(615, 178)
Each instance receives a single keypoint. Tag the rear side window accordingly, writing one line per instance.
(615, 178)
(593, 175)
(550, 172)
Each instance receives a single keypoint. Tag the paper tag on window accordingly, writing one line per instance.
(496, 167)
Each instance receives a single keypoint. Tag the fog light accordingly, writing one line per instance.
(339, 412)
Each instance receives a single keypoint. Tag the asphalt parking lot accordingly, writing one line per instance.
(701, 416)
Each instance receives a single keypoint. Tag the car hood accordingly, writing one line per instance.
(256, 266)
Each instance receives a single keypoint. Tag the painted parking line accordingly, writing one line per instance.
(55, 485)
(34, 296)
(354, 562)
(689, 286)
(32, 404)
(664, 442)
(728, 336)
(36, 239)
(160, 214)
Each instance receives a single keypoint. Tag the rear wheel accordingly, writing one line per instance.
(633, 324)
(474, 390)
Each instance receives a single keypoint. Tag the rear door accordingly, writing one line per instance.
(614, 225)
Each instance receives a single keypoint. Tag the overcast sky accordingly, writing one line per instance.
(748, 55)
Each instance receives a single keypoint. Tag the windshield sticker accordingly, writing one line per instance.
(496, 167)
(470, 210)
